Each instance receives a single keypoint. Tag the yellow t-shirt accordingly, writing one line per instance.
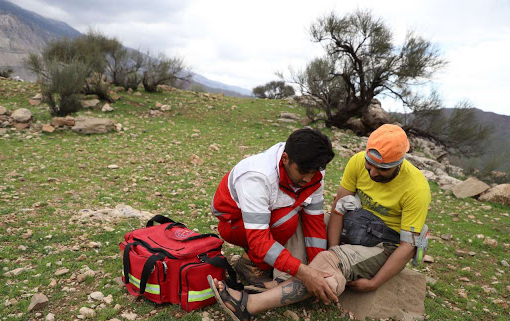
(401, 203)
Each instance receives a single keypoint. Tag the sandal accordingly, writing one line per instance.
(240, 312)
(261, 287)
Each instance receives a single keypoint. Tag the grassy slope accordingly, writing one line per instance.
(46, 179)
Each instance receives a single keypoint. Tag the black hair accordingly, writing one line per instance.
(310, 149)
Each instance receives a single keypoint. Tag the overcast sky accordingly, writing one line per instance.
(243, 43)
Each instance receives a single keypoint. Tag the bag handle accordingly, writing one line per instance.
(201, 236)
(221, 261)
(147, 270)
(174, 224)
(159, 219)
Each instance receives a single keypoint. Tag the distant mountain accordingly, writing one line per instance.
(497, 151)
(218, 85)
(23, 31)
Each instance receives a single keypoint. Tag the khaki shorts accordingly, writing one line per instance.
(328, 261)
(357, 261)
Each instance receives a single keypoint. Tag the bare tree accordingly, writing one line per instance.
(164, 70)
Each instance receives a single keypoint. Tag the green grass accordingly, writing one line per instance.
(47, 178)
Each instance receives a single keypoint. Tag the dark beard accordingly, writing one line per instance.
(382, 179)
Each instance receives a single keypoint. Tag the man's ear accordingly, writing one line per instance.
(285, 158)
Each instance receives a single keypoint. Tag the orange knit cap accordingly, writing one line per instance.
(387, 146)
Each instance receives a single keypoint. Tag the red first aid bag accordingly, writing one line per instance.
(169, 263)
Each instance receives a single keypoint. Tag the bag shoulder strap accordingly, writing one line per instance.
(221, 261)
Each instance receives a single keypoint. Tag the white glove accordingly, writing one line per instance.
(347, 203)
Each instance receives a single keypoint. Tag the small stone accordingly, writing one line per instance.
(491, 242)
(464, 279)
(81, 257)
(94, 245)
(467, 269)
(62, 271)
(22, 248)
(108, 299)
(505, 263)
(50, 317)
(53, 283)
(113, 166)
(14, 272)
(446, 237)
(428, 259)
(291, 314)
(129, 316)
(48, 128)
(107, 108)
(99, 296)
(87, 312)
(37, 302)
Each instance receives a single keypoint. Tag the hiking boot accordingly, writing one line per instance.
(250, 272)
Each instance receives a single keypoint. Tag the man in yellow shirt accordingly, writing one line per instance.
(380, 185)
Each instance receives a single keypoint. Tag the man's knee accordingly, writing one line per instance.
(328, 261)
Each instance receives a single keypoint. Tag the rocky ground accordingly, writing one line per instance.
(67, 199)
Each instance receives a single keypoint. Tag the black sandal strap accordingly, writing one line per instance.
(240, 306)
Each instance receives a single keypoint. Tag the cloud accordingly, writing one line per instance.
(244, 43)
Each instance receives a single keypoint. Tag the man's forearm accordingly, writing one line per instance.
(335, 226)
(395, 263)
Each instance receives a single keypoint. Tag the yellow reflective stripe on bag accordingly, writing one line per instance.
(195, 296)
(151, 288)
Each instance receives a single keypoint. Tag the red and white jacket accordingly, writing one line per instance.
(258, 191)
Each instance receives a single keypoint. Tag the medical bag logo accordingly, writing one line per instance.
(182, 233)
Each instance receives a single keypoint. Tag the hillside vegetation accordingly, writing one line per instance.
(171, 163)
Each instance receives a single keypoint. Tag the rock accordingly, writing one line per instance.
(118, 127)
(429, 175)
(61, 271)
(91, 103)
(375, 116)
(129, 316)
(195, 160)
(37, 97)
(21, 115)
(290, 116)
(85, 125)
(505, 263)
(34, 102)
(356, 125)
(108, 299)
(291, 314)
(402, 298)
(99, 296)
(3, 131)
(37, 302)
(447, 182)
(446, 237)
(470, 188)
(491, 242)
(428, 259)
(87, 312)
(107, 108)
(305, 121)
(113, 166)
(61, 121)
(14, 272)
(48, 128)
(3, 110)
(20, 126)
(285, 120)
(165, 108)
(497, 194)
(50, 317)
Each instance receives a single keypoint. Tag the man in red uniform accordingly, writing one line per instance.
(273, 199)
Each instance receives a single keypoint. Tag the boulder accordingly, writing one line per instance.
(3, 110)
(401, 298)
(470, 188)
(498, 194)
(85, 125)
(375, 116)
(447, 182)
(91, 103)
(356, 125)
(21, 115)
(48, 128)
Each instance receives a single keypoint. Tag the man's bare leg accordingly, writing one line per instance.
(288, 292)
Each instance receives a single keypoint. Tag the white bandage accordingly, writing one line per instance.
(347, 203)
